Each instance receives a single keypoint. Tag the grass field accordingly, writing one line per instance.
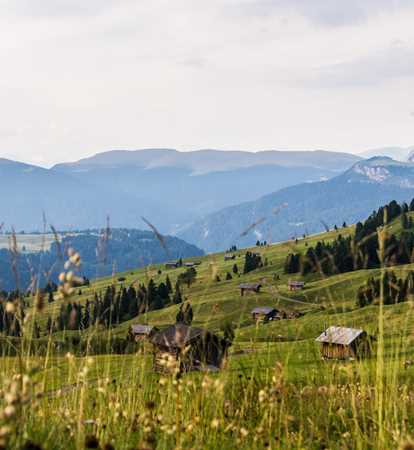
(274, 392)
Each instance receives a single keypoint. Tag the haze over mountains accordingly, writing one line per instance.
(172, 189)
(208, 198)
(305, 208)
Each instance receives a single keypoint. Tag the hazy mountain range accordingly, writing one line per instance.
(307, 207)
(171, 189)
(207, 197)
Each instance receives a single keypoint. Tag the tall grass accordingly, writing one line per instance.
(277, 395)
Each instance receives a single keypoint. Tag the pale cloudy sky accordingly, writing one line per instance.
(83, 76)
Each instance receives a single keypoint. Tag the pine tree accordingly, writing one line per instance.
(179, 318)
(168, 284)
(177, 294)
(404, 221)
(188, 315)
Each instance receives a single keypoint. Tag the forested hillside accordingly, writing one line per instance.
(103, 253)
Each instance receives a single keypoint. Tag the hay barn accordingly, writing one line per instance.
(192, 348)
(344, 343)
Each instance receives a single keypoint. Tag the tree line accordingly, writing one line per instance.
(361, 251)
(392, 289)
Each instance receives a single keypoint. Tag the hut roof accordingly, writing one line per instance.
(249, 285)
(263, 310)
(339, 335)
(177, 336)
(296, 283)
(142, 329)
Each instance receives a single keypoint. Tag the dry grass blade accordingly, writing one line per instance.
(58, 243)
(325, 225)
(158, 235)
(252, 226)
(14, 255)
(102, 244)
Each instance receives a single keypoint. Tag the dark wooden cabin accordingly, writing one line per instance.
(192, 348)
(264, 314)
(249, 287)
(229, 257)
(344, 343)
(295, 285)
(140, 333)
(172, 265)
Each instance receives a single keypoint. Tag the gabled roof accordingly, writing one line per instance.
(142, 329)
(177, 336)
(263, 310)
(296, 283)
(249, 285)
(339, 335)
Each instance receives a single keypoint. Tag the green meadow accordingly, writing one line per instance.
(274, 391)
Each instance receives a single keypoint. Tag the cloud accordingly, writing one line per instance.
(59, 8)
(392, 63)
(327, 12)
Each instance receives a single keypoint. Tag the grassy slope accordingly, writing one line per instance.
(326, 301)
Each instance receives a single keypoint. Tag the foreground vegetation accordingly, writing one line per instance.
(275, 391)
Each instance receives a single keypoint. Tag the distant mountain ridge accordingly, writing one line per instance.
(204, 161)
(305, 208)
(171, 189)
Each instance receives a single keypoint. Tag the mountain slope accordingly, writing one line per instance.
(169, 188)
(348, 197)
(176, 188)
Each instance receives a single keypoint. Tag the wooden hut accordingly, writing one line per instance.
(264, 313)
(344, 343)
(249, 287)
(192, 348)
(229, 256)
(295, 285)
(172, 265)
(140, 333)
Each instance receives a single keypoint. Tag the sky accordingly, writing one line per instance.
(80, 77)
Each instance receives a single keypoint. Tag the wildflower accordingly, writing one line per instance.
(215, 423)
(10, 308)
(243, 432)
(262, 395)
(4, 431)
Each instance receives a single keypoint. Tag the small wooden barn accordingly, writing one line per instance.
(344, 343)
(172, 265)
(229, 256)
(192, 348)
(295, 285)
(140, 333)
(264, 313)
(249, 287)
